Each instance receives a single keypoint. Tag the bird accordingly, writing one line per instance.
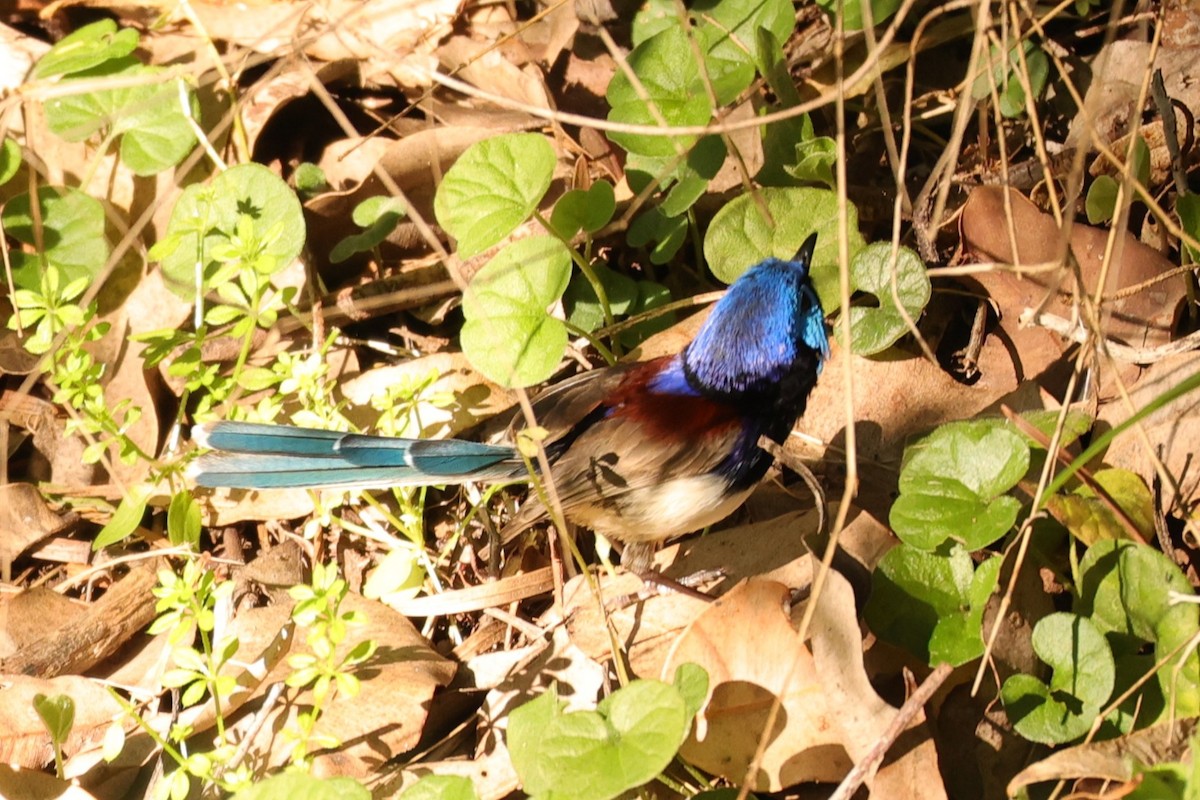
(639, 452)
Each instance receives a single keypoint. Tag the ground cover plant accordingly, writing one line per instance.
(972, 575)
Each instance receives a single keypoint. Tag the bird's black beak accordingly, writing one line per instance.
(805, 253)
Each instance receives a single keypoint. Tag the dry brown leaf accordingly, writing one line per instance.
(486, 67)
(896, 395)
(1143, 319)
(384, 720)
(830, 714)
(746, 643)
(1174, 430)
(25, 519)
(1111, 760)
(26, 616)
(24, 741)
(345, 28)
(26, 784)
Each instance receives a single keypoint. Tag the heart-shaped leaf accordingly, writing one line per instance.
(509, 334)
(1079, 687)
(597, 755)
(493, 187)
(932, 604)
(740, 236)
(873, 269)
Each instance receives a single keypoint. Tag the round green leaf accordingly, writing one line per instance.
(1125, 590)
(667, 68)
(493, 187)
(876, 328)
(1101, 200)
(206, 217)
(72, 235)
(740, 236)
(597, 755)
(986, 456)
(933, 510)
(588, 210)
(932, 604)
(509, 335)
(583, 306)
(1082, 681)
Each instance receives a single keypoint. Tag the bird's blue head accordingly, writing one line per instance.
(768, 323)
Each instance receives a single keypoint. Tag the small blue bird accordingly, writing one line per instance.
(639, 452)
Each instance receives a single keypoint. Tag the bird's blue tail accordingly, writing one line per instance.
(251, 456)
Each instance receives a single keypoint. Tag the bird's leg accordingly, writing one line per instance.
(638, 558)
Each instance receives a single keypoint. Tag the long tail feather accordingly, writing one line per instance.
(254, 456)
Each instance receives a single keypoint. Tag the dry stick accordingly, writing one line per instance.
(94, 635)
(904, 717)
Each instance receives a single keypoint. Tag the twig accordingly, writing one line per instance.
(1122, 352)
(874, 757)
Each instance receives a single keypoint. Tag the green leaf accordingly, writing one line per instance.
(597, 755)
(691, 680)
(57, 713)
(509, 335)
(440, 787)
(740, 236)
(814, 160)
(493, 187)
(1089, 519)
(1101, 200)
(153, 130)
(72, 235)
(874, 329)
(183, 520)
(1125, 588)
(302, 786)
(934, 510)
(852, 16)
(702, 164)
(88, 47)
(379, 216)
(1187, 206)
(205, 218)
(582, 305)
(125, 519)
(953, 485)
(650, 295)
(1005, 74)
(309, 179)
(588, 210)
(932, 604)
(666, 233)
(1081, 683)
(10, 160)
(986, 456)
(728, 30)
(671, 79)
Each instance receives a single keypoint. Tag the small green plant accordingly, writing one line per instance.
(1025, 62)
(323, 669)
(929, 593)
(57, 713)
(629, 739)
